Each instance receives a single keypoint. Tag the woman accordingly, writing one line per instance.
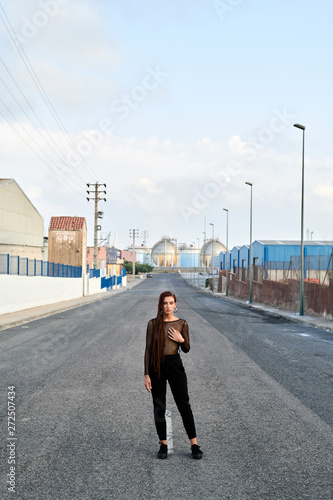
(165, 334)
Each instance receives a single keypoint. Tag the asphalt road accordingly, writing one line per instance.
(260, 387)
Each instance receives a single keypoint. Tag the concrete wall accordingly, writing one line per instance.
(317, 298)
(39, 253)
(24, 292)
(95, 286)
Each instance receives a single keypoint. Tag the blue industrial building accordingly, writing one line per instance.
(283, 251)
(233, 259)
(244, 255)
(264, 251)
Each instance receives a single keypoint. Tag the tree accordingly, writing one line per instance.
(139, 268)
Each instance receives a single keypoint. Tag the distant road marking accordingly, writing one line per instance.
(169, 431)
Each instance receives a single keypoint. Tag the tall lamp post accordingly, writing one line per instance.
(250, 263)
(198, 259)
(301, 297)
(211, 260)
(204, 255)
(204, 251)
(227, 256)
(192, 262)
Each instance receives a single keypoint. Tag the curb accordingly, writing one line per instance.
(312, 321)
(290, 316)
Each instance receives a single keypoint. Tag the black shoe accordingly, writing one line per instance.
(196, 452)
(163, 451)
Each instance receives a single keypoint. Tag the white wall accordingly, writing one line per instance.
(20, 223)
(23, 292)
(95, 286)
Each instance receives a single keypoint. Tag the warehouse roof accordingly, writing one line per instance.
(6, 182)
(293, 242)
(67, 223)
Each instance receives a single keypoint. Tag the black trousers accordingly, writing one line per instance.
(172, 369)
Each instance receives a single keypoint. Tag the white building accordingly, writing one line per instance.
(21, 225)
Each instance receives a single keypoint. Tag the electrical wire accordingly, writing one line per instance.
(39, 86)
(36, 152)
(28, 133)
(53, 112)
(60, 154)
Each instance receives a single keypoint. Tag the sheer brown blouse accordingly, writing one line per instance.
(171, 347)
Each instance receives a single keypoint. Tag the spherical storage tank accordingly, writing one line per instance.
(164, 253)
(211, 248)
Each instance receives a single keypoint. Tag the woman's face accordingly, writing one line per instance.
(169, 305)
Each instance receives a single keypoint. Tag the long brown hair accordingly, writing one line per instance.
(159, 335)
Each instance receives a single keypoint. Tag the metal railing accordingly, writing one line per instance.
(22, 266)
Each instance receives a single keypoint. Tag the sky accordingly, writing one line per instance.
(174, 106)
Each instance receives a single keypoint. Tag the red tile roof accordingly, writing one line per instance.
(67, 223)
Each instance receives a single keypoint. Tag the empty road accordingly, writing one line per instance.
(261, 390)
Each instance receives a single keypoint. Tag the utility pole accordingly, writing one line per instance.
(98, 215)
(133, 233)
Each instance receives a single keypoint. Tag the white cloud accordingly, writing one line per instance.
(149, 181)
(84, 66)
(236, 144)
(73, 54)
(324, 191)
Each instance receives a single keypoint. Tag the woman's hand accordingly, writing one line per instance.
(147, 383)
(175, 336)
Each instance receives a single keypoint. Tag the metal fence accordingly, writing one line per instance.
(22, 266)
(94, 273)
(317, 268)
(111, 281)
(108, 282)
(98, 273)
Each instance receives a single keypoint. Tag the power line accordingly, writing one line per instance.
(49, 106)
(61, 156)
(36, 153)
(39, 86)
(29, 67)
(28, 133)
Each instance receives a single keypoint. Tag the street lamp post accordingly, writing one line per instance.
(250, 263)
(211, 260)
(301, 297)
(204, 250)
(198, 259)
(192, 262)
(227, 257)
